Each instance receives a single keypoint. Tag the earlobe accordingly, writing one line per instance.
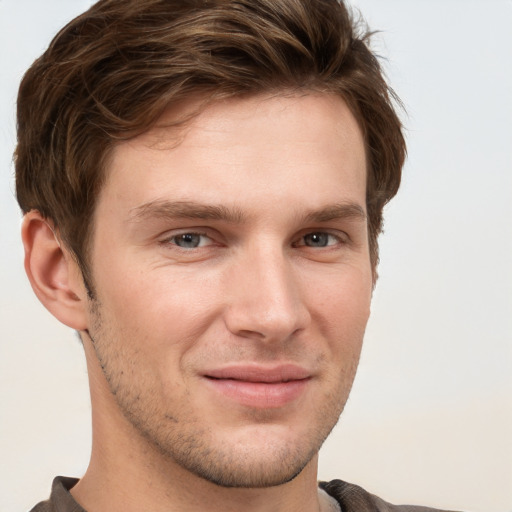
(53, 273)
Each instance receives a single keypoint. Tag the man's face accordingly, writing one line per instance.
(233, 284)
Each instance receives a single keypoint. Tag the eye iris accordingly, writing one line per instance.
(317, 239)
(188, 240)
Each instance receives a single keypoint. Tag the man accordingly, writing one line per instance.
(203, 185)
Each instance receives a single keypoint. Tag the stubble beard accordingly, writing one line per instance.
(179, 437)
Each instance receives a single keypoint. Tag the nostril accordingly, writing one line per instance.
(245, 333)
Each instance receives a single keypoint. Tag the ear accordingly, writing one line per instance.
(53, 273)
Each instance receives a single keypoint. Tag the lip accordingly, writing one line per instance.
(258, 386)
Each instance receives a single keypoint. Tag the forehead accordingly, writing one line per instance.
(297, 143)
(251, 116)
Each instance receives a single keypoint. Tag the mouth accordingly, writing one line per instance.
(259, 387)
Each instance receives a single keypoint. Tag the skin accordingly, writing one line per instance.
(227, 254)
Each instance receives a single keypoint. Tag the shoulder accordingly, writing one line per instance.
(44, 506)
(353, 498)
(60, 499)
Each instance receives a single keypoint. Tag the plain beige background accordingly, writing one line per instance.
(430, 417)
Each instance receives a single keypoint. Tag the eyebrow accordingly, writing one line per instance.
(337, 211)
(164, 209)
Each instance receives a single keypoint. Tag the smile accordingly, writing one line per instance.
(258, 387)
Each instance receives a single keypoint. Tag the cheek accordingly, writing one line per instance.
(341, 312)
(343, 298)
(161, 312)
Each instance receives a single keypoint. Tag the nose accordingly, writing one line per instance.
(266, 301)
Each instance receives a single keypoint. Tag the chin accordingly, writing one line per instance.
(237, 473)
(260, 457)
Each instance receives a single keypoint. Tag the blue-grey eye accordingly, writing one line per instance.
(188, 240)
(318, 239)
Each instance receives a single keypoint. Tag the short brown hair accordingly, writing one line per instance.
(111, 72)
